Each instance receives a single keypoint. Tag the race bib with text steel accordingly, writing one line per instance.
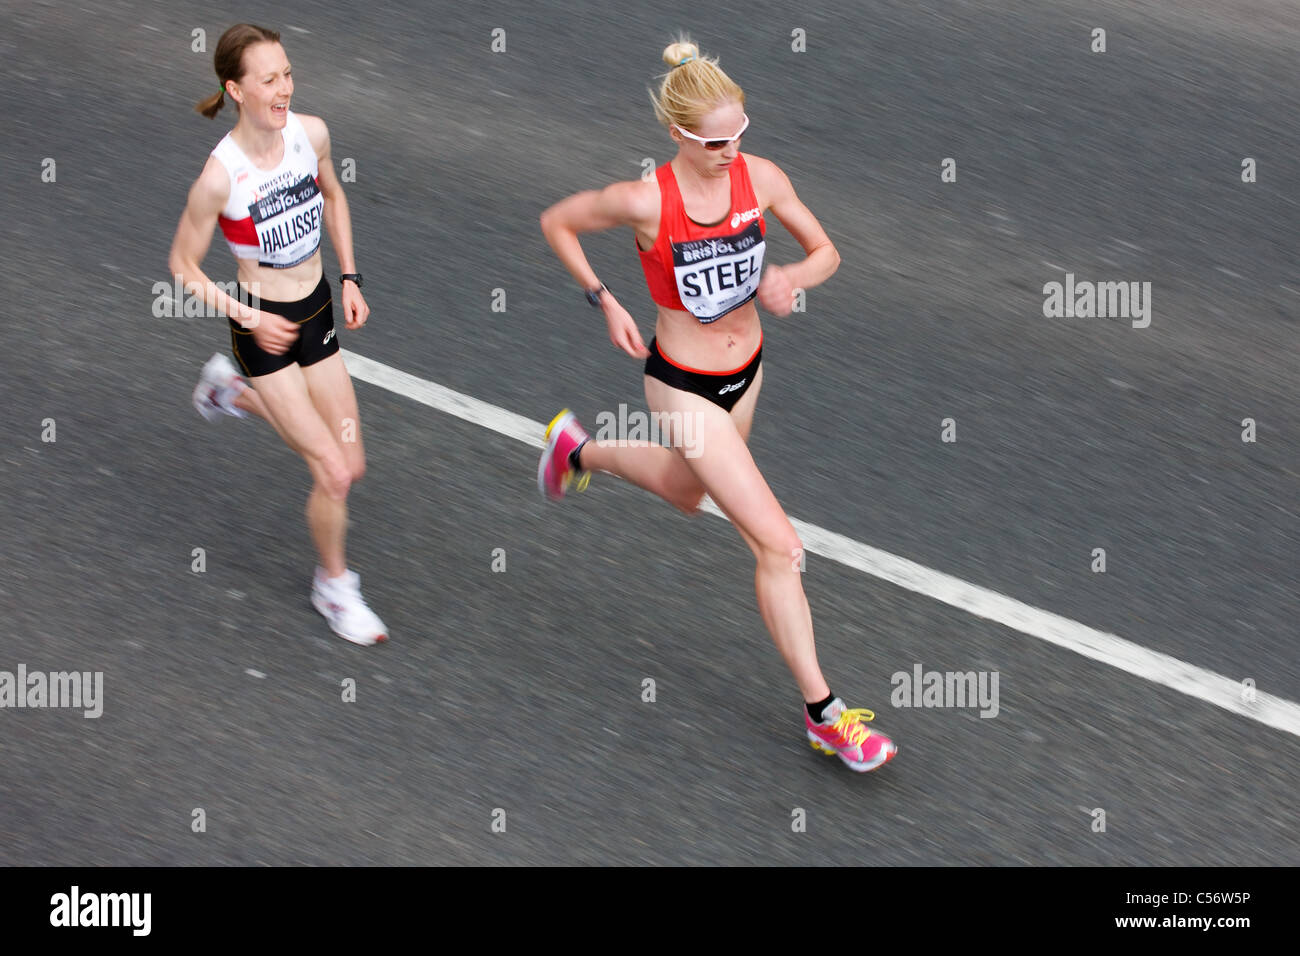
(716, 276)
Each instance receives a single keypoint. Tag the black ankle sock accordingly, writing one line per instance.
(575, 456)
(815, 710)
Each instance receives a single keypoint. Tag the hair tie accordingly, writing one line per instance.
(223, 90)
(685, 60)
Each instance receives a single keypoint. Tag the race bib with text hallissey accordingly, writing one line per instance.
(716, 276)
(288, 221)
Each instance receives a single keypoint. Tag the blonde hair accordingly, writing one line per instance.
(693, 87)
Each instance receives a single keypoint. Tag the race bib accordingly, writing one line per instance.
(715, 276)
(288, 222)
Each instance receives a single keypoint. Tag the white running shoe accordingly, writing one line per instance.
(339, 599)
(219, 386)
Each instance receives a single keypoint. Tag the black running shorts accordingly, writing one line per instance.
(316, 339)
(721, 388)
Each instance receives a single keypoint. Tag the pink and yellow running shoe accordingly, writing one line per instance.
(844, 733)
(556, 471)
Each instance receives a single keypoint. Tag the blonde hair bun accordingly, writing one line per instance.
(686, 96)
(677, 53)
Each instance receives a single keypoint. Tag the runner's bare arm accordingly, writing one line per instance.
(634, 204)
(338, 219)
(193, 236)
(776, 190)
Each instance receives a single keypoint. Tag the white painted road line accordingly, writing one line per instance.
(445, 399)
(1206, 685)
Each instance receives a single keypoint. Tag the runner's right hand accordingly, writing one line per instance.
(622, 329)
(273, 333)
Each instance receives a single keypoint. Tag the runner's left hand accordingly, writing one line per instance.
(775, 293)
(355, 310)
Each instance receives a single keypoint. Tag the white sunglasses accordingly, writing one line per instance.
(714, 144)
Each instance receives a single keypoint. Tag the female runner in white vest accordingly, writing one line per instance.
(270, 186)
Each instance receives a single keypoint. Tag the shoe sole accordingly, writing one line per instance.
(317, 603)
(888, 754)
(209, 410)
(551, 442)
(203, 406)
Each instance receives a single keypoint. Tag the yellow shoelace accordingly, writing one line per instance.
(850, 725)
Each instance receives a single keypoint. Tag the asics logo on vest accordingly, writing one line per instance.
(738, 218)
(733, 387)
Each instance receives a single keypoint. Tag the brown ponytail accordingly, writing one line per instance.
(229, 61)
(212, 105)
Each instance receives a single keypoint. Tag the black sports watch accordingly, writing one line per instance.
(354, 276)
(593, 295)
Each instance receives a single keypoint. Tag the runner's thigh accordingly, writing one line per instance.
(332, 393)
(296, 418)
(721, 462)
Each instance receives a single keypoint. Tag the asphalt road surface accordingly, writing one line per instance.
(515, 697)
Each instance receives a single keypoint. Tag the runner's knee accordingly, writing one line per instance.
(685, 492)
(334, 477)
(688, 502)
(780, 548)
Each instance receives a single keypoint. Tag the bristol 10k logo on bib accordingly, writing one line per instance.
(289, 218)
(715, 276)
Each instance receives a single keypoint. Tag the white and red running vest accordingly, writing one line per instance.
(273, 216)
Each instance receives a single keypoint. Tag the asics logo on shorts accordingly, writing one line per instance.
(733, 387)
(328, 335)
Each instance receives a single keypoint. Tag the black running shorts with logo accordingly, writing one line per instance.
(721, 388)
(316, 339)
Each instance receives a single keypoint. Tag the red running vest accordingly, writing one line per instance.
(707, 271)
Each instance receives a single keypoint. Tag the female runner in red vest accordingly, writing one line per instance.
(699, 226)
(270, 185)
